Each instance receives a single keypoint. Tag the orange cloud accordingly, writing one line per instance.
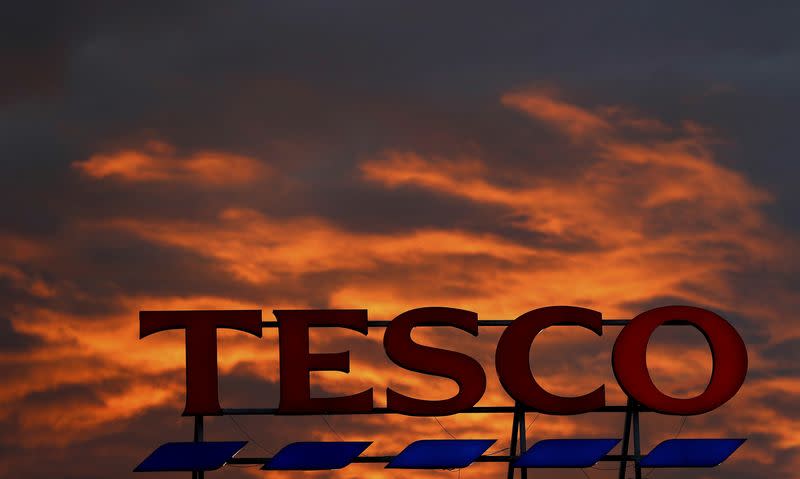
(158, 162)
(22, 249)
(654, 214)
(18, 251)
(663, 213)
(259, 249)
(574, 120)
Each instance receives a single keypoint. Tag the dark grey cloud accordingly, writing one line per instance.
(339, 82)
(13, 340)
(349, 80)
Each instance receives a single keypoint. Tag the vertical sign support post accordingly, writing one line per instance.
(198, 437)
(637, 450)
(523, 433)
(518, 436)
(512, 449)
(626, 438)
(631, 416)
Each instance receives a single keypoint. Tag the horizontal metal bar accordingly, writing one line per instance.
(385, 459)
(481, 322)
(484, 322)
(382, 410)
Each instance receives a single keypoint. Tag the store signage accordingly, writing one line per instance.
(628, 358)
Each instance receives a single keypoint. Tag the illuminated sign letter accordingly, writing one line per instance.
(462, 369)
(297, 363)
(728, 353)
(201, 348)
(512, 360)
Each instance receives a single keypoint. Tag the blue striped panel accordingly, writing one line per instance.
(190, 456)
(315, 456)
(566, 453)
(440, 453)
(691, 452)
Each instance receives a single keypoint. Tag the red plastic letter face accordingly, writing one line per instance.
(462, 369)
(512, 360)
(297, 362)
(728, 352)
(201, 349)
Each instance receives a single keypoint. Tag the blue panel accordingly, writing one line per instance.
(314, 456)
(440, 453)
(566, 453)
(691, 452)
(190, 456)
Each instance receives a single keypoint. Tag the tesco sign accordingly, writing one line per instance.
(729, 356)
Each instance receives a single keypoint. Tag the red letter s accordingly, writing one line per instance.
(462, 369)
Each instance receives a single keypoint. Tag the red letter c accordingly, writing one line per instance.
(512, 360)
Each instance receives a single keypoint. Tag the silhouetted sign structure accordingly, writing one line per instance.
(729, 357)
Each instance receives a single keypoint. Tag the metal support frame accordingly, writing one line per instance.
(519, 437)
(518, 445)
(631, 416)
(198, 437)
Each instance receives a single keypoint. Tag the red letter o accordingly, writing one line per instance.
(728, 352)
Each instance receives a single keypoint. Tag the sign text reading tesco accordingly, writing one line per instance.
(728, 351)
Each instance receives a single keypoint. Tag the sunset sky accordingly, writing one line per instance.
(388, 156)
